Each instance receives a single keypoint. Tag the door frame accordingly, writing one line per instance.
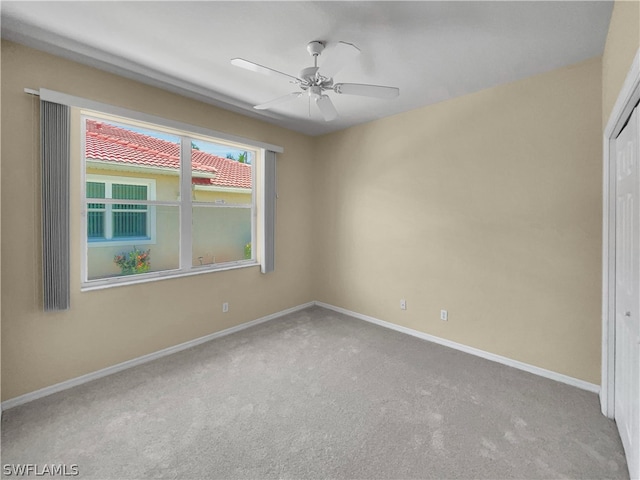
(626, 101)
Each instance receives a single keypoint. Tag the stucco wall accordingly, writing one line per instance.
(219, 235)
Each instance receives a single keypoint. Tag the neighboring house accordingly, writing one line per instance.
(127, 165)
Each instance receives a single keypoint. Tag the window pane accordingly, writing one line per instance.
(221, 174)
(118, 259)
(117, 150)
(221, 234)
(133, 199)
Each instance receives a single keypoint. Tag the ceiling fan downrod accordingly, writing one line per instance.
(310, 74)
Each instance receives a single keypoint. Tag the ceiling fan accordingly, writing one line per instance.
(314, 81)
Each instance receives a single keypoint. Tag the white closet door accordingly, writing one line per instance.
(627, 356)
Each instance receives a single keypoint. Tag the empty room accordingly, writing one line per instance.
(308, 240)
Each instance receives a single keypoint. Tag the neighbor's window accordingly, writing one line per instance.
(120, 222)
(160, 202)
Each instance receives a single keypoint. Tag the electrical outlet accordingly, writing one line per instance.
(403, 304)
(225, 307)
(444, 315)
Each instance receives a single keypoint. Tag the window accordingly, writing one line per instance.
(159, 201)
(121, 222)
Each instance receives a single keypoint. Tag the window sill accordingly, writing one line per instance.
(115, 242)
(166, 275)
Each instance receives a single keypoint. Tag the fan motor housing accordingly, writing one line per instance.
(308, 74)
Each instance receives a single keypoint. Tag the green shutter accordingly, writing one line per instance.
(129, 192)
(95, 190)
(95, 224)
(129, 224)
(95, 214)
(129, 220)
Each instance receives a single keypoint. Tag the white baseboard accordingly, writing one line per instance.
(591, 387)
(58, 387)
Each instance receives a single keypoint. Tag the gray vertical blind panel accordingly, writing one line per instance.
(270, 211)
(54, 144)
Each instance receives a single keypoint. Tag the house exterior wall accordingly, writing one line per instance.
(488, 205)
(109, 326)
(220, 234)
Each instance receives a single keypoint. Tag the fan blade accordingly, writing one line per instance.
(278, 101)
(326, 108)
(338, 58)
(364, 90)
(254, 67)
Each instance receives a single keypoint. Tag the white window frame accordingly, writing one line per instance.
(109, 180)
(185, 207)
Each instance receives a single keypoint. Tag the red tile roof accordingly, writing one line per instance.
(105, 142)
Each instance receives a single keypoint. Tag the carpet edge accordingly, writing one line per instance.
(88, 377)
(550, 374)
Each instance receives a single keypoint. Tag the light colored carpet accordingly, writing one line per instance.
(317, 394)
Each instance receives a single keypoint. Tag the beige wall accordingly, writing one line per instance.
(623, 41)
(109, 326)
(488, 206)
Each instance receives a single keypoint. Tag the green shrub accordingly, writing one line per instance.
(135, 261)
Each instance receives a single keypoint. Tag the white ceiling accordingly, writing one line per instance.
(431, 50)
